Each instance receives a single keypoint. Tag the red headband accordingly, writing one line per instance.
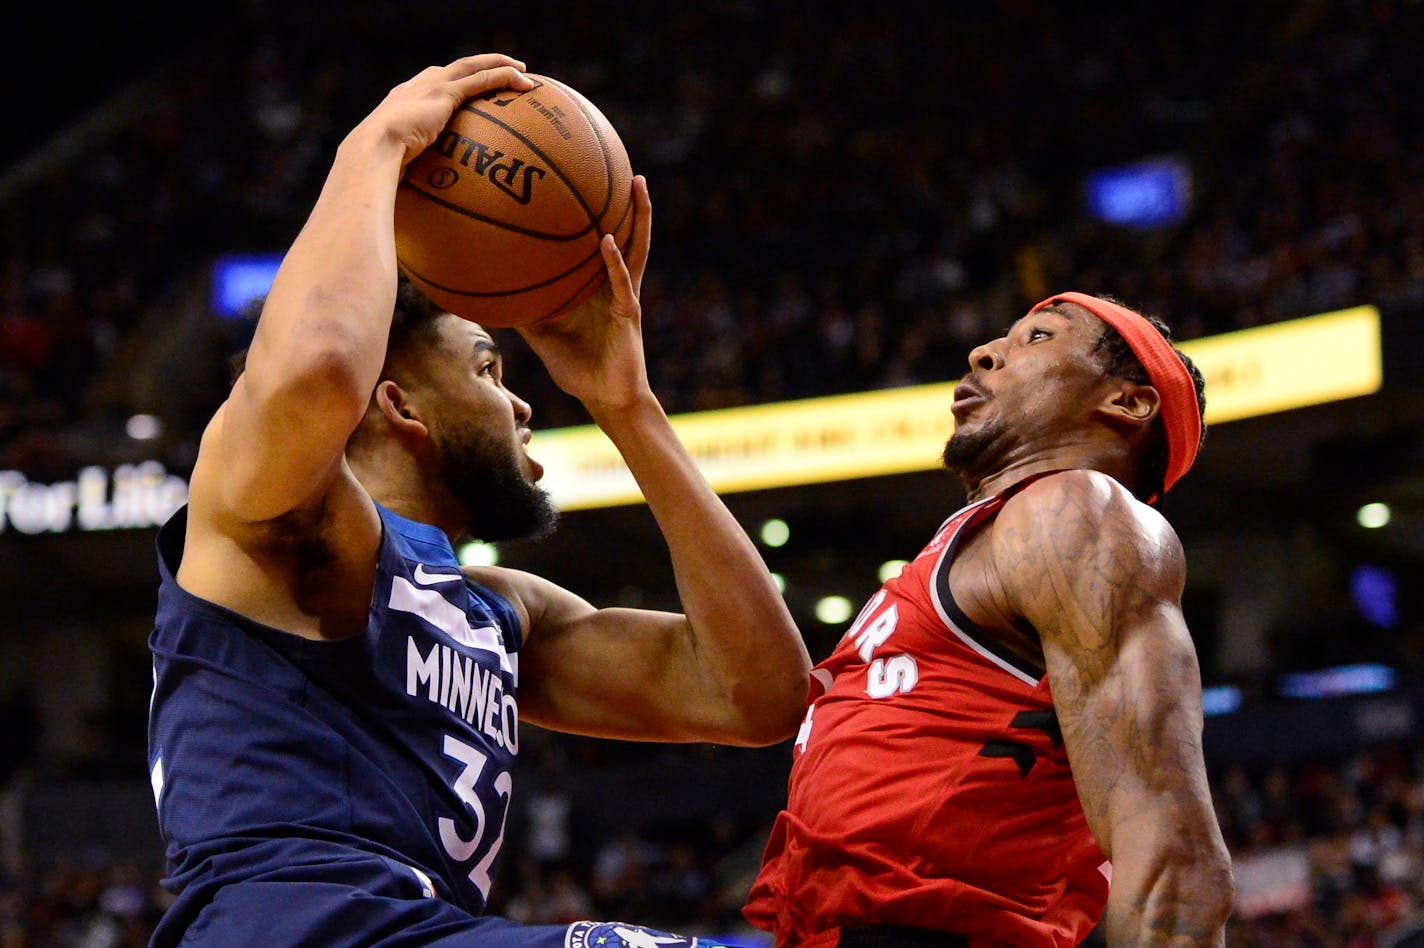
(1181, 415)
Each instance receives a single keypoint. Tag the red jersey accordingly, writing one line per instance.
(930, 786)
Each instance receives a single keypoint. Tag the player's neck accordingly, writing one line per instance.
(409, 493)
(1113, 463)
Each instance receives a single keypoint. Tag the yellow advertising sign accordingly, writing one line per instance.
(1292, 364)
(803, 442)
(840, 437)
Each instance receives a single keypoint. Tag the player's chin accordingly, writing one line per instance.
(965, 422)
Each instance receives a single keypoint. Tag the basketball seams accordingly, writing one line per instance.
(414, 274)
(467, 237)
(553, 165)
(597, 274)
(507, 292)
(593, 278)
(597, 128)
(496, 222)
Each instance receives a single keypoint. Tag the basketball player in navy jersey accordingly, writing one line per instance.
(336, 701)
(1007, 742)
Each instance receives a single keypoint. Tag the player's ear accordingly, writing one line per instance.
(1131, 404)
(400, 411)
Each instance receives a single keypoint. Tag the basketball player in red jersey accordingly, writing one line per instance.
(1008, 738)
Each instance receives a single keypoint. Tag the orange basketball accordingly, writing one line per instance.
(500, 219)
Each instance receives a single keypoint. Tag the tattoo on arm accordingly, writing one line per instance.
(1101, 577)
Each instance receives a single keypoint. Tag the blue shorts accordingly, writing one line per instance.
(332, 915)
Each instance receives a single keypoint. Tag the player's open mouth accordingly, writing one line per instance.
(536, 470)
(965, 398)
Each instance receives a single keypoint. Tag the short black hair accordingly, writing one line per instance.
(1123, 363)
(413, 323)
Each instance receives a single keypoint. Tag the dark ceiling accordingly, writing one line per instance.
(59, 61)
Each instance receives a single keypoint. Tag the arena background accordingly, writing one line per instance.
(847, 198)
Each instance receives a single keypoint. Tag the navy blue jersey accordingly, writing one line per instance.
(382, 761)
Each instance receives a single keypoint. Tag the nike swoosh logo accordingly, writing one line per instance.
(425, 578)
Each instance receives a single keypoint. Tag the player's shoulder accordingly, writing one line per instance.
(1087, 496)
(1086, 509)
(510, 583)
(525, 592)
(538, 602)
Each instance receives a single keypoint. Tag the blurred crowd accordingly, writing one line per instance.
(1329, 854)
(844, 199)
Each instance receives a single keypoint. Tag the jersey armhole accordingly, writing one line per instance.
(503, 611)
(959, 624)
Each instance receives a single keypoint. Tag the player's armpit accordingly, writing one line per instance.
(629, 674)
(1100, 576)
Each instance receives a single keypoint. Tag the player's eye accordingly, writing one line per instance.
(1038, 332)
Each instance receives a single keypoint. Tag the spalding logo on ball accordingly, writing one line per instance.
(500, 219)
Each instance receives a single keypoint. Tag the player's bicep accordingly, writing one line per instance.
(271, 449)
(622, 673)
(1131, 722)
(618, 673)
(1100, 577)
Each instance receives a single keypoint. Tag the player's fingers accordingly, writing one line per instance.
(642, 232)
(479, 62)
(500, 77)
(620, 281)
(473, 75)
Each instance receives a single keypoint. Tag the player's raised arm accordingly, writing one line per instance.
(732, 668)
(1100, 576)
(319, 345)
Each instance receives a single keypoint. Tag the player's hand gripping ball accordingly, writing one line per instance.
(500, 219)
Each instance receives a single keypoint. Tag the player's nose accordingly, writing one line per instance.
(987, 356)
(522, 409)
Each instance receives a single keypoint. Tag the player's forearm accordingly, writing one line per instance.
(744, 635)
(319, 344)
(1184, 903)
(1150, 809)
(328, 313)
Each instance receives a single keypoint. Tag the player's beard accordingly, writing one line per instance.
(970, 455)
(484, 475)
